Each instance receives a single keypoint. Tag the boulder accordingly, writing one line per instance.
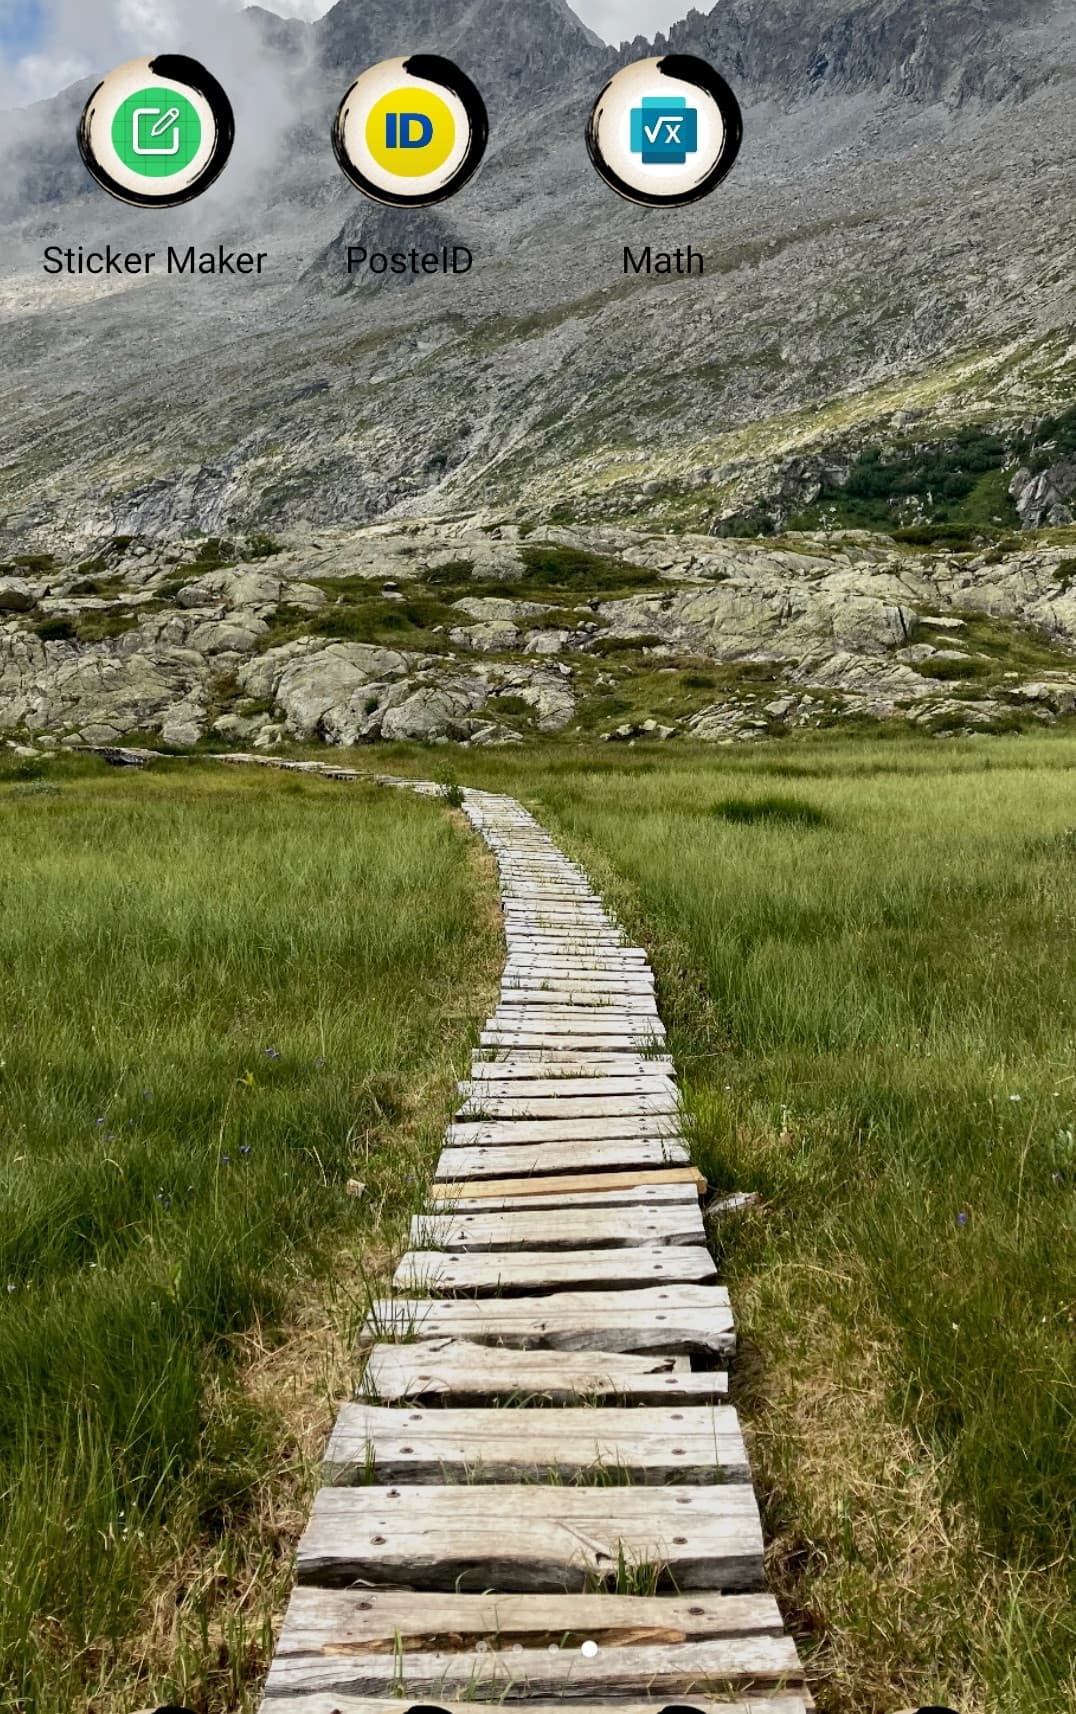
(16, 596)
(497, 637)
(428, 714)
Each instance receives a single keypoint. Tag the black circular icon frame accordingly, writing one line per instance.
(686, 68)
(177, 68)
(434, 69)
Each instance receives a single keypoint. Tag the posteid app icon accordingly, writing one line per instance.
(411, 132)
(665, 131)
(157, 132)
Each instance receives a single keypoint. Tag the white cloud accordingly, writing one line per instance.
(84, 37)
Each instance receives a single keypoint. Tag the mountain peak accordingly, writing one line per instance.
(529, 51)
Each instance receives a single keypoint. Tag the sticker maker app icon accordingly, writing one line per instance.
(411, 132)
(665, 132)
(157, 132)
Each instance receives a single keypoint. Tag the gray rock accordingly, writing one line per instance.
(16, 596)
(546, 642)
(430, 714)
(497, 636)
(1046, 499)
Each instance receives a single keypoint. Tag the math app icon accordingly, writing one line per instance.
(411, 132)
(157, 132)
(665, 132)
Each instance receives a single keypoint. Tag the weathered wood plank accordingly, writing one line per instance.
(556, 1065)
(510, 1133)
(670, 1670)
(568, 1000)
(660, 1670)
(375, 1620)
(691, 1444)
(674, 1319)
(334, 1702)
(559, 1539)
(603, 1184)
(453, 1371)
(644, 1060)
(500, 1273)
(523, 954)
(586, 1228)
(630, 1202)
(573, 1088)
(536, 971)
(482, 1104)
(576, 1020)
(559, 1159)
(620, 1042)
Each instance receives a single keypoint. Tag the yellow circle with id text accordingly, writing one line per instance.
(411, 132)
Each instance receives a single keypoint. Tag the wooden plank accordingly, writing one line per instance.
(634, 988)
(568, 1106)
(624, 960)
(539, 1088)
(494, 1272)
(568, 998)
(519, 937)
(675, 1319)
(577, 973)
(576, 1020)
(630, 1202)
(604, 1183)
(559, 1158)
(510, 1133)
(376, 1620)
(333, 1702)
(622, 1035)
(630, 960)
(532, 1538)
(453, 1371)
(690, 1444)
(589, 1228)
(556, 1065)
(669, 1670)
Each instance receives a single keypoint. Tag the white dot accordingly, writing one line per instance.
(589, 1649)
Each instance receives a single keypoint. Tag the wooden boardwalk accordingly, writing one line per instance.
(541, 1495)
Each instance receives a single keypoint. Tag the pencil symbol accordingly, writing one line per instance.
(145, 136)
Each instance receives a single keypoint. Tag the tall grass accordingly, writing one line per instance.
(222, 996)
(867, 955)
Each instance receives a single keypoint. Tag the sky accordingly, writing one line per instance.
(47, 44)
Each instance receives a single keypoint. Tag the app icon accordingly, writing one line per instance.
(411, 132)
(665, 132)
(157, 132)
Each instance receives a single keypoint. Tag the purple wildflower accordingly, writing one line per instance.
(961, 1218)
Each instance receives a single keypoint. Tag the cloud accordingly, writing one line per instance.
(73, 39)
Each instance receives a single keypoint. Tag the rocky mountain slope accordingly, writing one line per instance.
(881, 341)
(480, 634)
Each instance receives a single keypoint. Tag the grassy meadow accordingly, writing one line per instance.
(223, 995)
(217, 996)
(866, 954)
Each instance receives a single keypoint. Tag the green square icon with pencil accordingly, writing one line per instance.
(157, 132)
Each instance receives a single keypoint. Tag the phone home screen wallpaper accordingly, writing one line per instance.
(537, 856)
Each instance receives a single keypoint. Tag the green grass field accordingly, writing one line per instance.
(867, 958)
(222, 996)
